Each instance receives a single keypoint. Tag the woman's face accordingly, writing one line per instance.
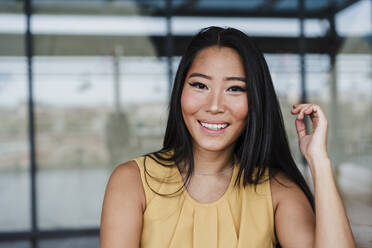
(214, 99)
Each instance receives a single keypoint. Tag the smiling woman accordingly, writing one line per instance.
(225, 176)
(214, 103)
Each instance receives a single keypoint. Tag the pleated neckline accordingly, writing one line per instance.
(216, 202)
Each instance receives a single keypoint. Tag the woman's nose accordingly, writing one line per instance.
(215, 103)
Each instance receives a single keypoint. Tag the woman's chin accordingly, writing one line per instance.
(213, 146)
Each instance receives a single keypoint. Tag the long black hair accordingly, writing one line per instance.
(263, 144)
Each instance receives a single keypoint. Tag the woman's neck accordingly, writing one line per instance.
(212, 162)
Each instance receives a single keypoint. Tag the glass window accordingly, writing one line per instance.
(92, 114)
(14, 141)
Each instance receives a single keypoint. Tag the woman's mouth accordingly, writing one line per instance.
(215, 126)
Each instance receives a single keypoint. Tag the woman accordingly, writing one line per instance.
(225, 176)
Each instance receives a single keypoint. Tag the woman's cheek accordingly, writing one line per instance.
(191, 102)
(240, 108)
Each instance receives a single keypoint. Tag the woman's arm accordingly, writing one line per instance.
(295, 224)
(121, 218)
(332, 226)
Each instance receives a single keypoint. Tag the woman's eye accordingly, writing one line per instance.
(198, 85)
(236, 88)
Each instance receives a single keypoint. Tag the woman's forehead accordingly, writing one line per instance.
(218, 61)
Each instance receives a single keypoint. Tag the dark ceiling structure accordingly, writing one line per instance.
(202, 8)
(70, 45)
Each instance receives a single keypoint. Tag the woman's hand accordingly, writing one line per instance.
(313, 146)
(332, 228)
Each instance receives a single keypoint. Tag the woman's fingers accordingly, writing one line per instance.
(306, 110)
(300, 128)
(300, 124)
(297, 108)
(314, 111)
(302, 109)
(313, 144)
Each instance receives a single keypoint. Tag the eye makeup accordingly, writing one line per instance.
(237, 89)
(198, 85)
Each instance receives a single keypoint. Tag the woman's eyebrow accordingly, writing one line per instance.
(195, 74)
(236, 79)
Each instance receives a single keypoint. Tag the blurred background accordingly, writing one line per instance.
(84, 86)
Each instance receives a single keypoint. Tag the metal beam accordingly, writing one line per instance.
(302, 47)
(77, 45)
(344, 5)
(268, 5)
(302, 50)
(31, 119)
(190, 4)
(127, 8)
(169, 45)
(51, 234)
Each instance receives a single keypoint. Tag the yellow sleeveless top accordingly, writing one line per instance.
(242, 217)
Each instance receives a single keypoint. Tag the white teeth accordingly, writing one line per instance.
(214, 126)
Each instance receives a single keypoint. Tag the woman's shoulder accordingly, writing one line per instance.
(141, 176)
(286, 192)
(126, 180)
(142, 164)
(122, 208)
(126, 170)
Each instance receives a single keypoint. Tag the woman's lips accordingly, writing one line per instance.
(213, 121)
(213, 127)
